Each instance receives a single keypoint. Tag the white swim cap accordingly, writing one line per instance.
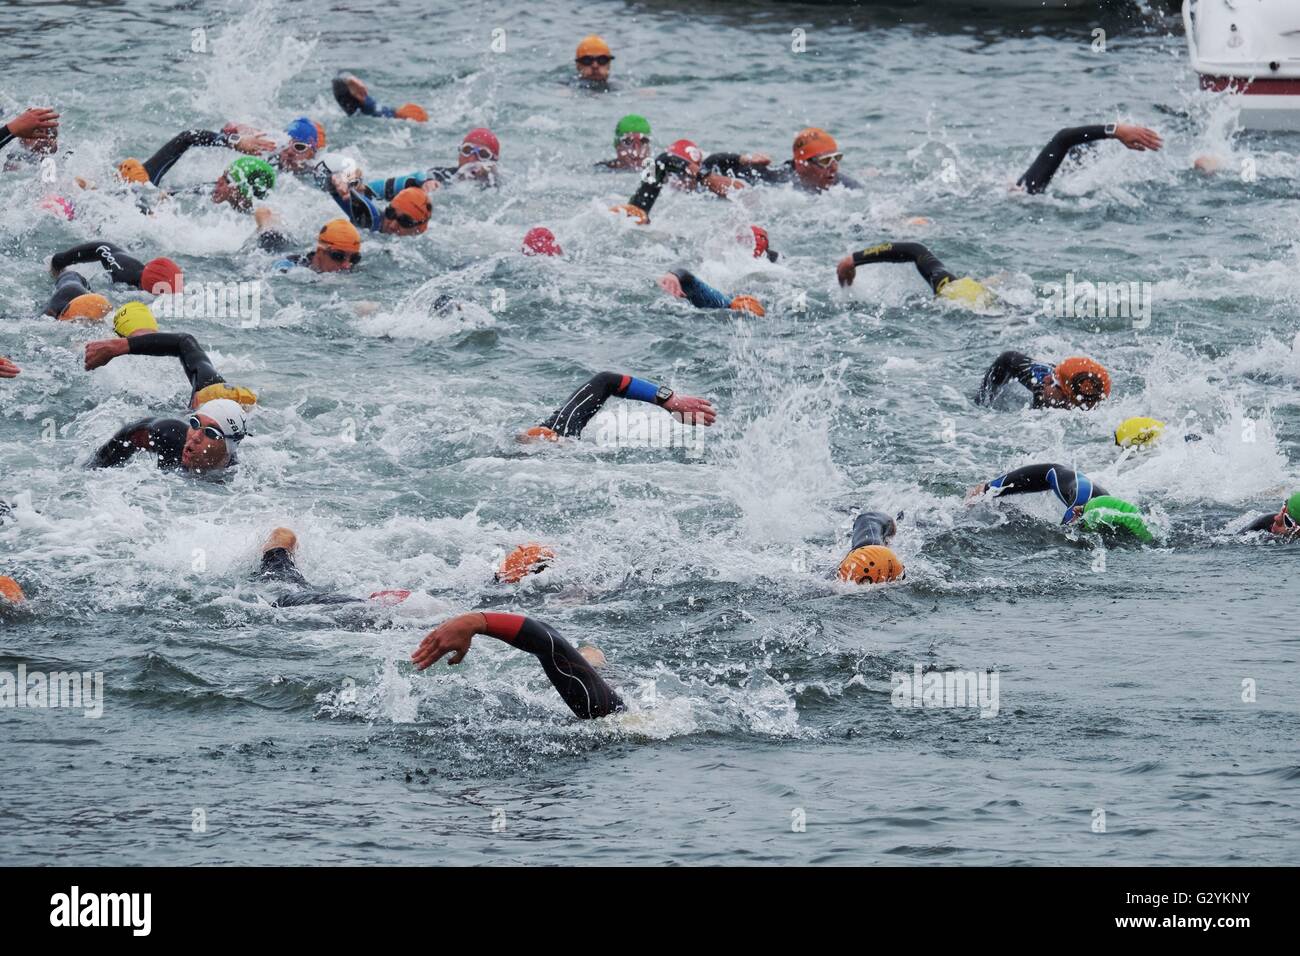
(229, 417)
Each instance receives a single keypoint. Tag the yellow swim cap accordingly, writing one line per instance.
(1138, 431)
(965, 291)
(134, 317)
(91, 307)
(236, 393)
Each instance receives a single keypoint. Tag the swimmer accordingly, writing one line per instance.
(156, 276)
(1084, 501)
(203, 444)
(36, 128)
(1285, 524)
(303, 138)
(138, 335)
(522, 561)
(244, 180)
(1039, 174)
(964, 291)
(581, 407)
(592, 60)
(476, 161)
(353, 96)
(407, 213)
(684, 285)
(338, 246)
(631, 144)
(73, 301)
(572, 672)
(278, 564)
(869, 560)
(153, 169)
(1075, 382)
(814, 165)
(682, 161)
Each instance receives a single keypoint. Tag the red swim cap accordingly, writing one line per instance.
(686, 150)
(540, 241)
(482, 136)
(60, 206)
(161, 272)
(760, 241)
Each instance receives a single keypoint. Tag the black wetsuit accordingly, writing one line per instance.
(729, 164)
(1041, 171)
(162, 436)
(931, 269)
(122, 267)
(160, 162)
(577, 682)
(1072, 488)
(872, 528)
(652, 180)
(67, 287)
(1023, 369)
(6, 136)
(278, 565)
(581, 407)
(343, 96)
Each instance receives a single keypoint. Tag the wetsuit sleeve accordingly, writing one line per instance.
(848, 182)
(357, 205)
(351, 104)
(652, 181)
(122, 267)
(931, 269)
(278, 565)
(1005, 367)
(1067, 484)
(272, 240)
(198, 367)
(5, 136)
(390, 187)
(730, 164)
(1041, 171)
(577, 682)
(67, 287)
(872, 527)
(701, 294)
(1262, 523)
(581, 407)
(160, 162)
(137, 436)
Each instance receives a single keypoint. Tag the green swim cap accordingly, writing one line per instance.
(1108, 513)
(1293, 507)
(631, 123)
(251, 176)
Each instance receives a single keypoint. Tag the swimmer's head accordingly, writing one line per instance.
(522, 561)
(480, 145)
(635, 213)
(593, 59)
(88, 307)
(872, 564)
(762, 245)
(966, 291)
(408, 213)
(304, 141)
(413, 112)
(747, 303)
(1108, 513)
(160, 276)
(816, 158)
(1082, 381)
(338, 247)
(686, 150)
(539, 433)
(132, 171)
(540, 241)
(61, 206)
(215, 430)
(632, 139)
(10, 591)
(244, 180)
(1287, 521)
(134, 318)
(1137, 431)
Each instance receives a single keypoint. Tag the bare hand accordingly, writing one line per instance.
(450, 637)
(253, 143)
(99, 353)
(692, 411)
(845, 270)
(975, 493)
(756, 159)
(1138, 137)
(33, 121)
(357, 88)
(7, 368)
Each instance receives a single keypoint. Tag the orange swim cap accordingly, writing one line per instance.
(592, 46)
(747, 303)
(320, 135)
(874, 563)
(132, 171)
(812, 142)
(410, 111)
(91, 307)
(339, 234)
(10, 591)
(632, 212)
(524, 560)
(1083, 380)
(540, 433)
(414, 202)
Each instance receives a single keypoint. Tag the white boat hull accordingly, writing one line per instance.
(1249, 49)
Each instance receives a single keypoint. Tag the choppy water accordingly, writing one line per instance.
(1120, 689)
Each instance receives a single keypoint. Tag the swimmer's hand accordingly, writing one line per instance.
(33, 121)
(692, 411)
(845, 271)
(264, 216)
(357, 88)
(976, 493)
(450, 637)
(7, 368)
(755, 159)
(1138, 137)
(103, 351)
(252, 143)
(722, 185)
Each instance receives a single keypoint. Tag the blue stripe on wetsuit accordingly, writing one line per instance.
(1082, 492)
(639, 390)
(701, 294)
(390, 187)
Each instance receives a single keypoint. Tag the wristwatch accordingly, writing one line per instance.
(663, 395)
(1110, 129)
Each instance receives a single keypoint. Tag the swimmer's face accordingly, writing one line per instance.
(296, 155)
(590, 68)
(1283, 525)
(202, 452)
(633, 149)
(224, 192)
(332, 260)
(820, 172)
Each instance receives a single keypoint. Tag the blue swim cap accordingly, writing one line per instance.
(304, 131)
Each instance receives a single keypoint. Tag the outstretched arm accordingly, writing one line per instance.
(28, 123)
(1005, 367)
(581, 407)
(160, 162)
(198, 366)
(1041, 171)
(927, 264)
(118, 449)
(122, 267)
(576, 680)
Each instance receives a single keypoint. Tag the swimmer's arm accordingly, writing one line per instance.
(700, 294)
(128, 440)
(652, 180)
(388, 188)
(181, 345)
(69, 286)
(1040, 173)
(1262, 523)
(1005, 367)
(927, 264)
(122, 267)
(1027, 480)
(160, 162)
